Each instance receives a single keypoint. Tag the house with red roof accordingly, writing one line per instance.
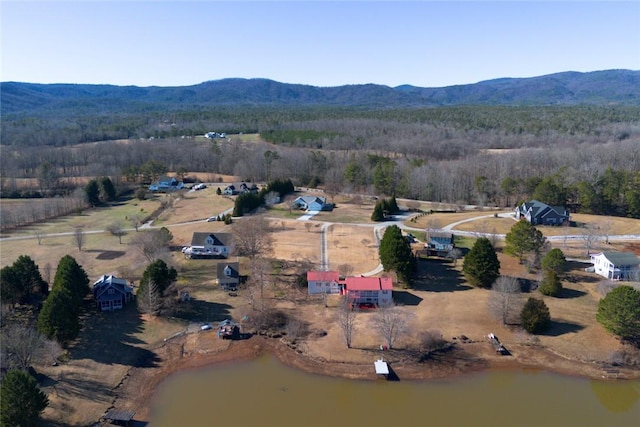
(369, 290)
(323, 282)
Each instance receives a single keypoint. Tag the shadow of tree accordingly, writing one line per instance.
(568, 293)
(438, 275)
(106, 254)
(406, 298)
(108, 337)
(560, 327)
(202, 311)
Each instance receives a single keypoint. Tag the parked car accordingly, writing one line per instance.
(212, 218)
(205, 327)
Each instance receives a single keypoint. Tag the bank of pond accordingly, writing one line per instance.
(264, 392)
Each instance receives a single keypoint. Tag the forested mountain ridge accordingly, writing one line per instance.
(568, 88)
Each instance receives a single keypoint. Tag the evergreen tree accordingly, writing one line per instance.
(550, 284)
(554, 261)
(21, 401)
(72, 277)
(377, 214)
(535, 316)
(481, 266)
(395, 253)
(619, 313)
(524, 238)
(92, 191)
(159, 273)
(59, 317)
(21, 281)
(551, 192)
(107, 189)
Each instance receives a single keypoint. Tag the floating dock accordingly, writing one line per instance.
(381, 367)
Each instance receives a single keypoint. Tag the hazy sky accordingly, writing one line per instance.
(322, 43)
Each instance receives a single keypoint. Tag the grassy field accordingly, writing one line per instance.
(440, 299)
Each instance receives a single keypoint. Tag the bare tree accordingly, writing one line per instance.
(136, 221)
(117, 229)
(78, 237)
(455, 254)
(346, 318)
(153, 244)
(505, 298)
(150, 300)
(345, 269)
(295, 329)
(260, 275)
(308, 226)
(39, 237)
(252, 237)
(605, 228)
(271, 198)
(47, 270)
(21, 344)
(589, 237)
(392, 323)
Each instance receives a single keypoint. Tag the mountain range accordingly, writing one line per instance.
(617, 87)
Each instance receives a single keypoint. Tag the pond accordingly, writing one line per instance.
(264, 392)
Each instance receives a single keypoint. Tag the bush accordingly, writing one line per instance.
(550, 285)
(141, 193)
(619, 313)
(535, 316)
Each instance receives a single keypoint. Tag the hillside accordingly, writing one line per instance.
(568, 88)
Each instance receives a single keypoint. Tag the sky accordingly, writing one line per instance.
(319, 43)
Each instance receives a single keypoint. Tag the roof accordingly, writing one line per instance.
(219, 239)
(621, 258)
(312, 199)
(438, 235)
(323, 276)
(116, 415)
(381, 367)
(369, 284)
(233, 266)
(537, 207)
(110, 279)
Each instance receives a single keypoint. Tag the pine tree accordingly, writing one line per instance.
(554, 261)
(619, 313)
(92, 191)
(481, 266)
(71, 276)
(107, 189)
(524, 238)
(395, 253)
(535, 316)
(21, 401)
(378, 214)
(550, 284)
(21, 281)
(59, 317)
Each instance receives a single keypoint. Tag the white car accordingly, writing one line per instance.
(212, 218)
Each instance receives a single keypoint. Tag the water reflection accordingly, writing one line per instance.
(263, 392)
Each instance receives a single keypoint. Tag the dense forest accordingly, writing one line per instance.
(584, 156)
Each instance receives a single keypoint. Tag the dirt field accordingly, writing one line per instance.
(134, 357)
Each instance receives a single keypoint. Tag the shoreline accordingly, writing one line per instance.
(138, 388)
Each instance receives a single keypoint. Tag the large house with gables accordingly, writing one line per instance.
(538, 213)
(166, 183)
(323, 282)
(376, 291)
(240, 188)
(312, 203)
(616, 265)
(111, 293)
(209, 245)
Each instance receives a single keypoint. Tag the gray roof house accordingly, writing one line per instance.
(439, 241)
(111, 293)
(166, 183)
(228, 275)
(209, 245)
(312, 203)
(616, 265)
(538, 213)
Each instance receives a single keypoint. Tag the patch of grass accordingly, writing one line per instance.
(464, 241)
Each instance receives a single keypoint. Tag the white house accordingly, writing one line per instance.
(323, 282)
(209, 245)
(617, 265)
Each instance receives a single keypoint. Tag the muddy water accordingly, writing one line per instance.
(264, 392)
